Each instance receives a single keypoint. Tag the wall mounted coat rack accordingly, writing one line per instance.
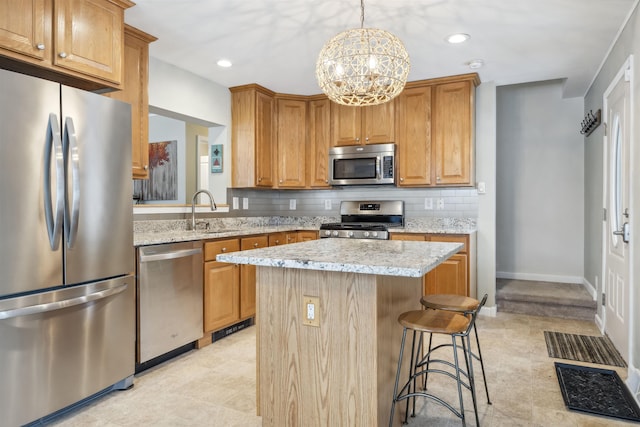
(591, 122)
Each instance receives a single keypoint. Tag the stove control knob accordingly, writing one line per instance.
(366, 234)
(351, 234)
(327, 232)
(374, 234)
(335, 233)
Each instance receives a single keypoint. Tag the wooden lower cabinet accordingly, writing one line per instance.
(248, 277)
(221, 286)
(304, 236)
(453, 276)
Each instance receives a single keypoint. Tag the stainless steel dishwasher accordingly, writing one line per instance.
(169, 297)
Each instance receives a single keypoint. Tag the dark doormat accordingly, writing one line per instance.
(583, 348)
(596, 391)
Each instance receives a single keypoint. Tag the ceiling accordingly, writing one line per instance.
(275, 43)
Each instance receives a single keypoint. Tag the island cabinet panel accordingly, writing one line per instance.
(318, 143)
(362, 125)
(58, 40)
(248, 277)
(453, 133)
(413, 137)
(340, 373)
(291, 139)
(304, 236)
(221, 286)
(454, 275)
(252, 137)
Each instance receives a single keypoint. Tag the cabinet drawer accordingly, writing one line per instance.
(211, 249)
(276, 239)
(254, 242)
(452, 238)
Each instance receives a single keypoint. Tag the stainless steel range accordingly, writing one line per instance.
(366, 220)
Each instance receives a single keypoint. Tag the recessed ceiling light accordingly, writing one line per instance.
(474, 64)
(224, 63)
(458, 38)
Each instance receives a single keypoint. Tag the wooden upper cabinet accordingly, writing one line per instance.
(25, 30)
(318, 142)
(59, 40)
(252, 136)
(291, 137)
(452, 124)
(413, 136)
(135, 91)
(362, 125)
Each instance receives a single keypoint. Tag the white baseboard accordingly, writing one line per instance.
(489, 311)
(590, 288)
(539, 277)
(599, 323)
(633, 382)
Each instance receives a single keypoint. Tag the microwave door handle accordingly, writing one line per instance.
(378, 174)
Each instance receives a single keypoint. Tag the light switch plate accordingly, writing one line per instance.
(440, 204)
(236, 203)
(428, 203)
(292, 204)
(245, 203)
(327, 204)
(482, 188)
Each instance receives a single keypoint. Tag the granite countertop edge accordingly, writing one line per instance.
(174, 236)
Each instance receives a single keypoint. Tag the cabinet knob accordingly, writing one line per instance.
(366, 139)
(401, 179)
(40, 46)
(62, 54)
(277, 242)
(255, 245)
(224, 249)
(357, 139)
(259, 179)
(437, 178)
(146, 167)
(280, 181)
(326, 181)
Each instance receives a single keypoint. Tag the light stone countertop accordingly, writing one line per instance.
(380, 257)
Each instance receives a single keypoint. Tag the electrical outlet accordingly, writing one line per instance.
(440, 204)
(292, 204)
(245, 203)
(482, 188)
(428, 203)
(327, 204)
(236, 203)
(311, 311)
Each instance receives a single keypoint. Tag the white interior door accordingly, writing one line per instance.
(617, 204)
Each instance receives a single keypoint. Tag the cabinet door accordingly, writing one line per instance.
(304, 236)
(413, 136)
(248, 277)
(450, 277)
(292, 133)
(402, 236)
(89, 38)
(452, 133)
(135, 92)
(291, 237)
(264, 143)
(221, 295)
(346, 122)
(378, 123)
(25, 30)
(319, 142)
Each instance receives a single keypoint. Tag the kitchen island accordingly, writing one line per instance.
(339, 367)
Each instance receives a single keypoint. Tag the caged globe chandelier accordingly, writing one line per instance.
(363, 66)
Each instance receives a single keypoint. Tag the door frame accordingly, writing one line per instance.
(627, 65)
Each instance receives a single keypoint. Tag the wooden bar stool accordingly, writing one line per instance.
(464, 305)
(433, 322)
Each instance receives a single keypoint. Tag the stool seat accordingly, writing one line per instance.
(450, 302)
(434, 321)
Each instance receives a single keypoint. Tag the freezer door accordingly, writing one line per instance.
(30, 174)
(59, 347)
(99, 210)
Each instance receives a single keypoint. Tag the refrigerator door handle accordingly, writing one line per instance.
(74, 157)
(54, 217)
(58, 305)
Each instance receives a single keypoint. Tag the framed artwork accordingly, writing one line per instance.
(216, 158)
(163, 173)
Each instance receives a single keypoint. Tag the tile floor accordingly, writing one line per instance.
(215, 386)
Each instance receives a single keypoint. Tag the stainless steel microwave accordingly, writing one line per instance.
(362, 164)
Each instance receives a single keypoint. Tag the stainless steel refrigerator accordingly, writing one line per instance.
(67, 293)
